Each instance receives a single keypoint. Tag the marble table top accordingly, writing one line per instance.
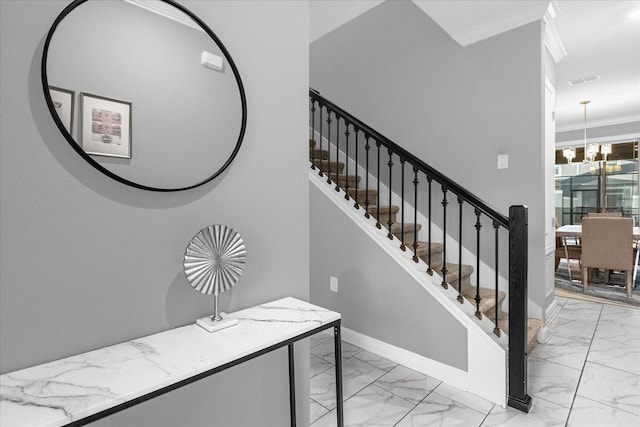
(59, 392)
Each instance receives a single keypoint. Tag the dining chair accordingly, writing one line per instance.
(567, 250)
(607, 242)
(603, 214)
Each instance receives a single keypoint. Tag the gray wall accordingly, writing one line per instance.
(87, 262)
(376, 296)
(456, 108)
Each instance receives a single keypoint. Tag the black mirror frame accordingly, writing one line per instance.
(98, 166)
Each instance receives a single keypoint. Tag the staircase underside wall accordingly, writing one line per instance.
(389, 306)
(376, 296)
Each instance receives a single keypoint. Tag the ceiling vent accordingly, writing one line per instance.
(581, 80)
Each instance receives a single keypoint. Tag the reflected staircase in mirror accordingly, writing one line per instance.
(359, 162)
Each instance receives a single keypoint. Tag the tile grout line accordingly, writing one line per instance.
(612, 407)
(584, 364)
(416, 405)
(612, 367)
(354, 394)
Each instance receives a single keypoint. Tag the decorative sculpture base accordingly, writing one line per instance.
(210, 325)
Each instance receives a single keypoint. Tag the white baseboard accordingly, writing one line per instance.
(440, 371)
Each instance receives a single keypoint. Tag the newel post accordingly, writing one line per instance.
(518, 263)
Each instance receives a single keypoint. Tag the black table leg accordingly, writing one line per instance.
(338, 360)
(292, 387)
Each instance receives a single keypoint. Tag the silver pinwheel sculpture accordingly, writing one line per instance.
(213, 263)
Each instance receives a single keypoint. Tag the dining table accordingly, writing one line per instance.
(575, 231)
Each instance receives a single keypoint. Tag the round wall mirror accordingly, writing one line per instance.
(144, 91)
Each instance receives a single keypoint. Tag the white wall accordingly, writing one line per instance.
(608, 133)
(88, 262)
(455, 108)
(327, 15)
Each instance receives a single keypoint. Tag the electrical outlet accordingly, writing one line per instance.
(333, 284)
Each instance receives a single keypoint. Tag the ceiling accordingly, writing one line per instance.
(599, 37)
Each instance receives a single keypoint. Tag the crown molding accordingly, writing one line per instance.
(165, 10)
(553, 43)
(599, 123)
(552, 40)
(603, 139)
(497, 26)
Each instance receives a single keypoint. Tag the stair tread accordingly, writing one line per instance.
(397, 228)
(315, 154)
(384, 209)
(487, 299)
(423, 248)
(332, 162)
(452, 270)
(362, 190)
(343, 177)
(533, 326)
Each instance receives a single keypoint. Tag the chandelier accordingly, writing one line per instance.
(591, 150)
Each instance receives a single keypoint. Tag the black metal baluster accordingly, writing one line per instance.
(366, 188)
(415, 213)
(389, 222)
(346, 160)
(313, 133)
(328, 146)
(337, 151)
(460, 297)
(402, 245)
(430, 269)
(321, 156)
(378, 190)
(496, 330)
(356, 204)
(444, 236)
(478, 299)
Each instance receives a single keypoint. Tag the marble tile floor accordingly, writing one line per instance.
(587, 374)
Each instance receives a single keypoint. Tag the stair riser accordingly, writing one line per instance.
(384, 216)
(452, 279)
(436, 260)
(408, 236)
(329, 166)
(352, 180)
(318, 154)
(491, 314)
(373, 198)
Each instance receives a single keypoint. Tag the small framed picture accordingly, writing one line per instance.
(63, 102)
(106, 126)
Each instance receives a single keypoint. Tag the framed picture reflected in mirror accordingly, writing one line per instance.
(105, 126)
(63, 102)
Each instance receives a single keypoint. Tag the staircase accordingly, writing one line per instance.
(387, 215)
(444, 208)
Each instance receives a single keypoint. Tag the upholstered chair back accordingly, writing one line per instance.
(607, 242)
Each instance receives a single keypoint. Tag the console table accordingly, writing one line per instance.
(80, 389)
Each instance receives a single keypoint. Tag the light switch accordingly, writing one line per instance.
(503, 161)
(333, 284)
